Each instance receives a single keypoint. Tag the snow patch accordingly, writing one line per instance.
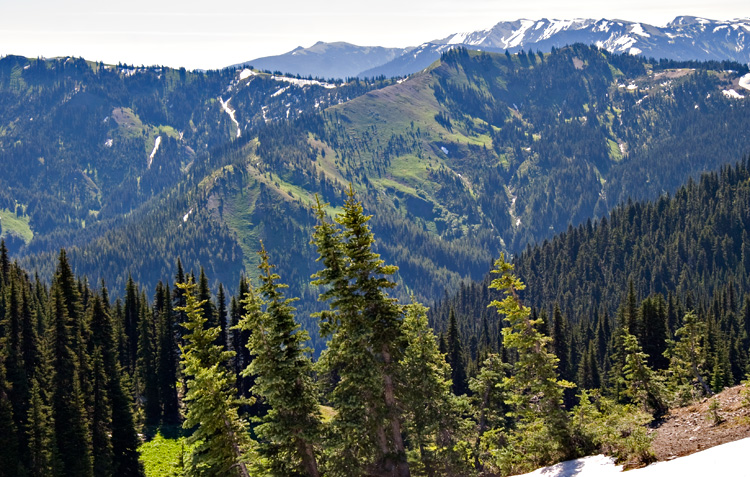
(279, 92)
(108, 143)
(635, 51)
(555, 27)
(304, 82)
(638, 30)
(745, 82)
(516, 38)
(730, 93)
(444, 149)
(185, 217)
(230, 112)
(246, 73)
(726, 459)
(458, 39)
(631, 87)
(157, 143)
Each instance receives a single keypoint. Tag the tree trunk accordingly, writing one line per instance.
(401, 465)
(308, 458)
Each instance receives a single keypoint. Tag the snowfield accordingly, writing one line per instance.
(157, 142)
(725, 460)
(730, 93)
(230, 112)
(745, 82)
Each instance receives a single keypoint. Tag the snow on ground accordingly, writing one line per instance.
(730, 93)
(108, 143)
(303, 82)
(516, 38)
(230, 112)
(246, 73)
(638, 30)
(157, 142)
(724, 460)
(281, 91)
(745, 81)
(185, 217)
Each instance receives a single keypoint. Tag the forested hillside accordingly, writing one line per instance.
(493, 394)
(642, 268)
(479, 154)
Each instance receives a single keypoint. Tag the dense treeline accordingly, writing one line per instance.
(640, 270)
(451, 193)
(79, 375)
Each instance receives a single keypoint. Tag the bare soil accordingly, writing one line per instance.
(691, 429)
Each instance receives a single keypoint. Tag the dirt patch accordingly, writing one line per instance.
(671, 74)
(578, 63)
(690, 429)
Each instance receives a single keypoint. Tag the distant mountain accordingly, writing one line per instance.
(685, 38)
(328, 60)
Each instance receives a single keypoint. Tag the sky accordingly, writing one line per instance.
(208, 35)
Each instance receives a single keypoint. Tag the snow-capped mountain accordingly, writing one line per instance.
(685, 38)
(327, 60)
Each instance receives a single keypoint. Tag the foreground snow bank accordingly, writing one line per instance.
(726, 459)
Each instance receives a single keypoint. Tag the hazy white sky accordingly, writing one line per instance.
(206, 34)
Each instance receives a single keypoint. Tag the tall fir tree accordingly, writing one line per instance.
(364, 327)
(220, 439)
(535, 392)
(283, 370)
(456, 357)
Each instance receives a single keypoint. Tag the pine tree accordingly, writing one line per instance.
(220, 438)
(130, 326)
(456, 357)
(124, 438)
(490, 410)
(147, 365)
(167, 357)
(101, 418)
(364, 326)
(641, 385)
(72, 436)
(40, 433)
(687, 358)
(432, 418)
(535, 392)
(283, 378)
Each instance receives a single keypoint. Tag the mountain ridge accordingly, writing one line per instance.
(684, 38)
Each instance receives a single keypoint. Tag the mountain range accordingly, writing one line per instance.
(684, 38)
(131, 169)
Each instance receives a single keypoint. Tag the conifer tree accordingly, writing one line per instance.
(147, 363)
(220, 438)
(687, 358)
(535, 392)
(101, 418)
(123, 434)
(167, 360)
(640, 383)
(282, 368)
(40, 433)
(364, 327)
(432, 418)
(490, 410)
(456, 357)
(130, 326)
(72, 436)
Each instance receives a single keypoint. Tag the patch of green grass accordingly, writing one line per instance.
(19, 225)
(162, 456)
(614, 150)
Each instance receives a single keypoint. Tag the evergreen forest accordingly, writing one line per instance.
(499, 263)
